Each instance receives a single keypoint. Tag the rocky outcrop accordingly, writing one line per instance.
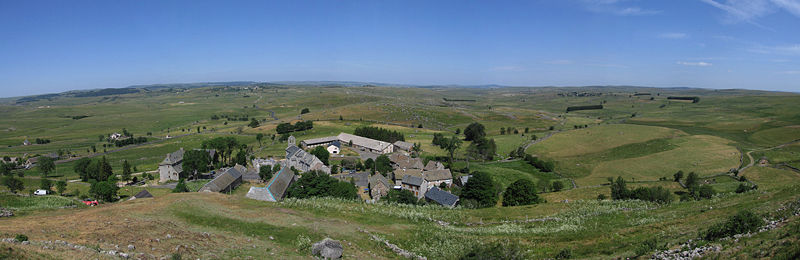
(327, 249)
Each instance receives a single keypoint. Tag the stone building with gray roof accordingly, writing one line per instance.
(379, 186)
(225, 182)
(416, 185)
(171, 167)
(441, 197)
(277, 187)
(304, 161)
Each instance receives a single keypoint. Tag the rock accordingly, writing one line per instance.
(26, 242)
(327, 249)
(169, 236)
(6, 212)
(271, 238)
(131, 247)
(123, 255)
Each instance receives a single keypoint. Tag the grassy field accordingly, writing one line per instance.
(639, 139)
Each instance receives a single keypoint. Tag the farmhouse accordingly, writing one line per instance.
(335, 147)
(115, 136)
(225, 182)
(418, 186)
(26, 142)
(434, 165)
(303, 161)
(366, 144)
(405, 146)
(379, 186)
(171, 168)
(437, 177)
(399, 174)
(441, 197)
(763, 161)
(401, 161)
(276, 188)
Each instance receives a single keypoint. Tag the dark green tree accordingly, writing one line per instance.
(321, 153)
(13, 184)
(558, 186)
(180, 187)
(126, 171)
(474, 131)
(677, 176)
(400, 196)
(61, 187)
(253, 123)
(46, 184)
(451, 145)
(259, 137)
(46, 165)
(195, 162)
(241, 158)
(383, 164)
(104, 190)
(265, 172)
(305, 111)
(521, 192)
(320, 184)
(482, 189)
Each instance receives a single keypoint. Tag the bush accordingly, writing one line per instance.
(648, 246)
(521, 192)
(480, 188)
(21, 238)
(742, 222)
(558, 186)
(565, 253)
(104, 190)
(706, 191)
(180, 187)
(601, 196)
(744, 188)
(400, 196)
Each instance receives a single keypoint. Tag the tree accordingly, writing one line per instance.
(400, 196)
(180, 187)
(61, 186)
(104, 190)
(241, 157)
(81, 167)
(305, 111)
(195, 162)
(474, 131)
(46, 165)
(340, 118)
(253, 123)
(45, 184)
(383, 164)
(619, 191)
(678, 176)
(451, 145)
(458, 131)
(334, 169)
(319, 184)
(527, 129)
(502, 131)
(369, 163)
(692, 184)
(13, 184)
(558, 186)
(481, 189)
(521, 192)
(259, 137)
(321, 153)
(706, 191)
(265, 173)
(482, 148)
(5, 169)
(126, 171)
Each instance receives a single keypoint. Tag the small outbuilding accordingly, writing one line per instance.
(141, 194)
(441, 197)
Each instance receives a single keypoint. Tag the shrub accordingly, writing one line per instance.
(706, 191)
(319, 184)
(558, 186)
(648, 246)
(744, 188)
(21, 238)
(565, 253)
(400, 196)
(521, 192)
(180, 187)
(742, 222)
(601, 196)
(104, 190)
(480, 188)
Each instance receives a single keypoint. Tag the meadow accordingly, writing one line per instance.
(643, 140)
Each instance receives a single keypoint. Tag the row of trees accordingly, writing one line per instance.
(542, 165)
(378, 133)
(285, 128)
(320, 184)
(130, 141)
(620, 191)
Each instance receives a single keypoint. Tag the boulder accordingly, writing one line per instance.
(327, 249)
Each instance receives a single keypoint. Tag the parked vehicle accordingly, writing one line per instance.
(40, 192)
(90, 202)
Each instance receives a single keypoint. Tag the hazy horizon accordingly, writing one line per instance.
(54, 46)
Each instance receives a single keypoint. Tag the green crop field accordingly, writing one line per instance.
(641, 140)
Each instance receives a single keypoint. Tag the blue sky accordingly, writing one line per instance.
(54, 46)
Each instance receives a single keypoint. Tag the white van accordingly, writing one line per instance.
(40, 192)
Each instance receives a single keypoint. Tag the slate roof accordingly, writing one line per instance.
(438, 175)
(361, 179)
(434, 165)
(444, 198)
(374, 180)
(142, 194)
(222, 181)
(173, 158)
(320, 140)
(405, 162)
(404, 145)
(279, 183)
(413, 180)
(363, 141)
(400, 173)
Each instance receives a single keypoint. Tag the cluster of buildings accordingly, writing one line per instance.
(424, 180)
